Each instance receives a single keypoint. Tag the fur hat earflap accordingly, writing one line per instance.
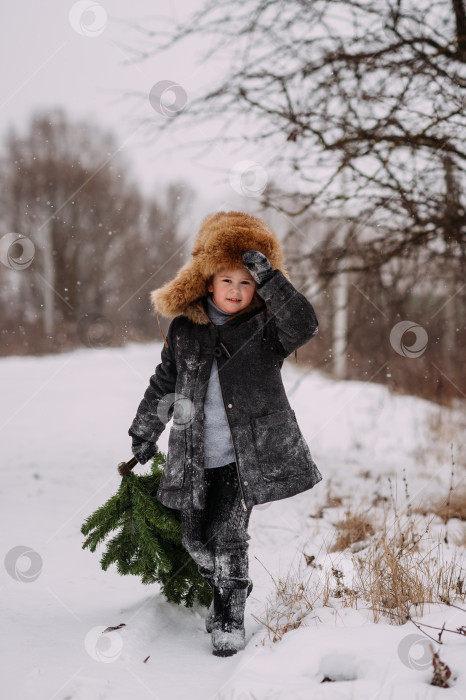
(221, 240)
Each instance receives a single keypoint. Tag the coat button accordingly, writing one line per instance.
(230, 405)
(245, 483)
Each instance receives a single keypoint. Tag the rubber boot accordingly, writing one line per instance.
(228, 637)
(214, 614)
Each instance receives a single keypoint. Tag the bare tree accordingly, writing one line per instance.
(376, 90)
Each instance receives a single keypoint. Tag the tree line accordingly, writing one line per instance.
(81, 246)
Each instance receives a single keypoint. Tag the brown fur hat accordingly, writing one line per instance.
(221, 240)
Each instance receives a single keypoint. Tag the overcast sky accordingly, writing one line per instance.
(47, 62)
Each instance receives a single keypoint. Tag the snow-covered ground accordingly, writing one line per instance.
(64, 422)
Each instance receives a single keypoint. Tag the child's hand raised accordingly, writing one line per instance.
(258, 265)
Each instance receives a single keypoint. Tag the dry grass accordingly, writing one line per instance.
(402, 569)
(293, 598)
(397, 579)
(355, 528)
(398, 572)
(451, 506)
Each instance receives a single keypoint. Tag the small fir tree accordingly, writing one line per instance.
(148, 539)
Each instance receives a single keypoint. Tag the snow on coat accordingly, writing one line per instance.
(272, 457)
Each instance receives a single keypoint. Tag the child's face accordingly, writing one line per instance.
(232, 289)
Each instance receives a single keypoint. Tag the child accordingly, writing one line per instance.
(235, 441)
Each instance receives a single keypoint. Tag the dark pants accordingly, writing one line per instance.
(217, 537)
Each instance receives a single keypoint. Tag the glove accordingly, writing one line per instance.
(258, 265)
(143, 450)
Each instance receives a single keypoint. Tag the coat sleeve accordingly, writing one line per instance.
(291, 315)
(156, 408)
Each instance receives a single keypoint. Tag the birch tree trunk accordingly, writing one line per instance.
(48, 280)
(340, 316)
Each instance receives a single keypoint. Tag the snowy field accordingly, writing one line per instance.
(64, 422)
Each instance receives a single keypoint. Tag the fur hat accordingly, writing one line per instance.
(221, 240)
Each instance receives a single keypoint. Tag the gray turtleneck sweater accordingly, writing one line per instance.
(218, 447)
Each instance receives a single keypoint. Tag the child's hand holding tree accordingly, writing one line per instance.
(143, 450)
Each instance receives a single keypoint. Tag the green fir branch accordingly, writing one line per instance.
(147, 538)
